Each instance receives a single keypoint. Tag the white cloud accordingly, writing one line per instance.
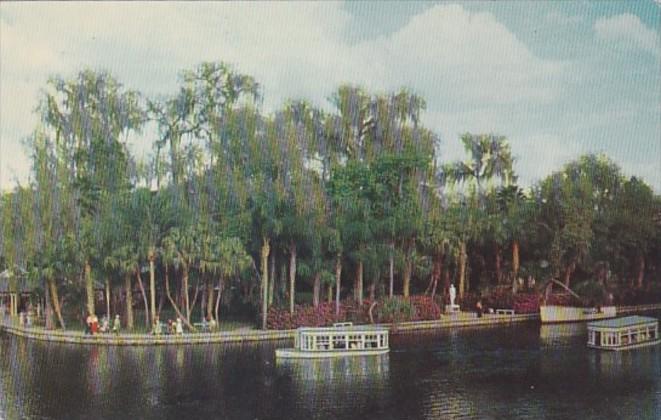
(628, 29)
(538, 155)
(450, 53)
(475, 73)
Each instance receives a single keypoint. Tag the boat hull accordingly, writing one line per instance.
(299, 354)
(553, 313)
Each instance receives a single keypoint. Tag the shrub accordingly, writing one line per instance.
(397, 309)
(526, 303)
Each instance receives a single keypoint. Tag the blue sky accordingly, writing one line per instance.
(557, 78)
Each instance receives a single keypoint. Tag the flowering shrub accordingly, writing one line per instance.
(398, 309)
(562, 299)
(502, 298)
(526, 303)
(304, 316)
(425, 308)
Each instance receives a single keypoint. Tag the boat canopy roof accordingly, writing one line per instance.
(627, 321)
(347, 328)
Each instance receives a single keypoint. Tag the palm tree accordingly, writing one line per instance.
(489, 156)
(516, 212)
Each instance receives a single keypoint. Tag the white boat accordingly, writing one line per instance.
(342, 339)
(624, 333)
(556, 313)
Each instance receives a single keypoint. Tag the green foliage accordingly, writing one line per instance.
(396, 309)
(361, 181)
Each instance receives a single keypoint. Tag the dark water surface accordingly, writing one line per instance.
(526, 371)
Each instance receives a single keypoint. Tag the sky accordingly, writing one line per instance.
(558, 79)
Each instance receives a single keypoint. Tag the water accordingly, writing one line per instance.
(518, 372)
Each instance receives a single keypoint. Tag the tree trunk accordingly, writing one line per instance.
(220, 294)
(272, 279)
(266, 249)
(144, 297)
(391, 262)
(568, 272)
(358, 293)
(372, 289)
(338, 275)
(316, 289)
(446, 280)
(184, 279)
(195, 295)
(499, 265)
(640, 271)
(436, 274)
(173, 303)
(48, 311)
(292, 276)
(408, 269)
(152, 286)
(108, 297)
(515, 258)
(116, 299)
(515, 265)
(282, 292)
(463, 256)
(203, 301)
(329, 294)
(210, 300)
(89, 288)
(129, 302)
(56, 302)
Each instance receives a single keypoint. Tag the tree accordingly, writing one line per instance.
(489, 156)
(91, 118)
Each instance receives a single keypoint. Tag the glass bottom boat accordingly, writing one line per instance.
(342, 339)
(623, 333)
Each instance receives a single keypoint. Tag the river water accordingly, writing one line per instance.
(525, 371)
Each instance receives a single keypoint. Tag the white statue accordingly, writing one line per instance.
(453, 294)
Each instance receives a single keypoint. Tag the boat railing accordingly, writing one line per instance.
(351, 339)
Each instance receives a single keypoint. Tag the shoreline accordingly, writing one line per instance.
(464, 319)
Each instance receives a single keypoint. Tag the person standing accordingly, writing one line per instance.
(157, 330)
(95, 324)
(179, 327)
(88, 324)
(117, 325)
(104, 324)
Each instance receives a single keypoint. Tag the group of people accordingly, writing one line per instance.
(93, 327)
(176, 327)
(172, 327)
(25, 319)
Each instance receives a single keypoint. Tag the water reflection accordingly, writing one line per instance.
(554, 335)
(323, 387)
(338, 371)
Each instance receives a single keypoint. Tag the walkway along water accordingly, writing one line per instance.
(465, 319)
